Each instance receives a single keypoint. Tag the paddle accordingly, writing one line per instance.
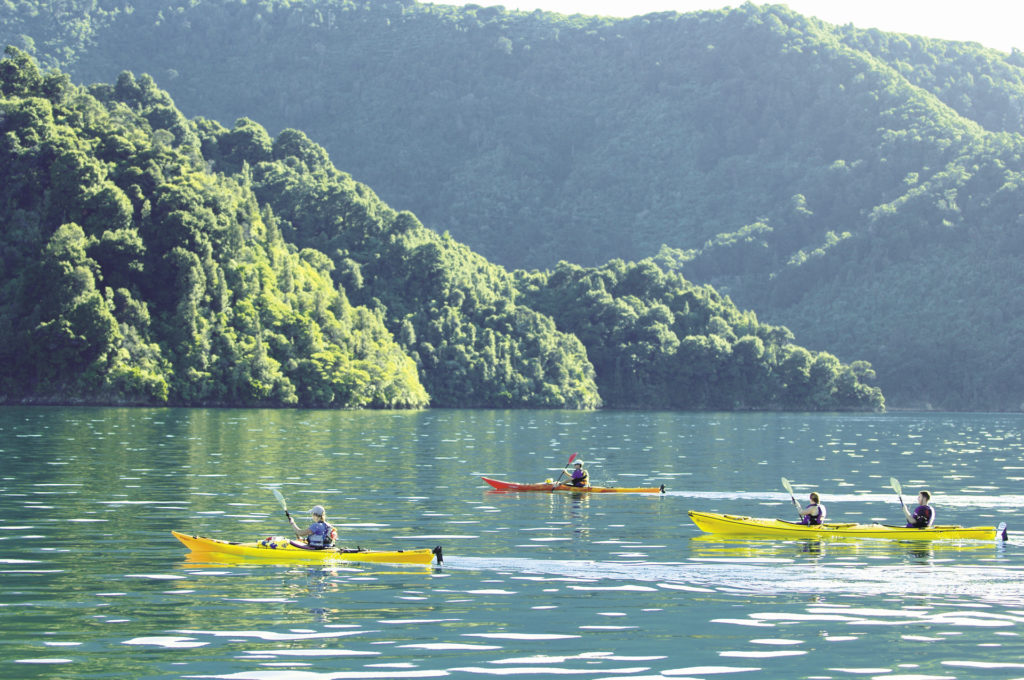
(789, 487)
(284, 506)
(895, 484)
(571, 459)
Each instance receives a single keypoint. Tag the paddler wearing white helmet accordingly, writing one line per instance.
(579, 476)
(320, 534)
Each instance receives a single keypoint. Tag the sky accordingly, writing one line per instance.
(994, 23)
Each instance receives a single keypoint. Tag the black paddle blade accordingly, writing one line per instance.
(439, 554)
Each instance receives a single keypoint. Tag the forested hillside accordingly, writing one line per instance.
(131, 272)
(659, 341)
(862, 188)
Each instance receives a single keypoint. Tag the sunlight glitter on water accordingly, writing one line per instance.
(171, 642)
(686, 606)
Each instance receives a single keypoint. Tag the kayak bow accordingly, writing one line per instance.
(280, 549)
(739, 525)
(550, 486)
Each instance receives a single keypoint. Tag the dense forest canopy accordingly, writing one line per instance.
(133, 275)
(862, 188)
(859, 187)
(147, 258)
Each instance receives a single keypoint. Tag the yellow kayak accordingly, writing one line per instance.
(281, 549)
(739, 525)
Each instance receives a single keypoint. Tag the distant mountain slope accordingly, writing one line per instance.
(796, 165)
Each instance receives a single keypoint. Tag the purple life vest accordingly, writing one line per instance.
(320, 535)
(814, 519)
(923, 517)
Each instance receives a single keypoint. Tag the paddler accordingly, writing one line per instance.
(320, 534)
(814, 513)
(923, 515)
(579, 476)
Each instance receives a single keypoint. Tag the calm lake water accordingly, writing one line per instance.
(93, 585)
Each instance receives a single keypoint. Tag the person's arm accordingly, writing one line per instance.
(811, 510)
(906, 511)
(299, 533)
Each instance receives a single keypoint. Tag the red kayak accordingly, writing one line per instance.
(513, 486)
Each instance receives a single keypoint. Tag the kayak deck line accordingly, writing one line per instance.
(281, 549)
(742, 525)
(551, 486)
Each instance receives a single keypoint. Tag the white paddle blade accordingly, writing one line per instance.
(896, 486)
(280, 499)
(787, 486)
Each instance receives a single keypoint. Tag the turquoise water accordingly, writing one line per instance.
(533, 585)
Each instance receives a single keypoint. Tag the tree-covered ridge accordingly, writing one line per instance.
(632, 126)
(134, 274)
(453, 311)
(980, 84)
(131, 274)
(657, 341)
(475, 330)
(859, 187)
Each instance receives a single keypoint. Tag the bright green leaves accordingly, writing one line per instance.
(134, 275)
(19, 74)
(72, 331)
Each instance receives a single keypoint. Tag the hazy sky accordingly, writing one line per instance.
(993, 23)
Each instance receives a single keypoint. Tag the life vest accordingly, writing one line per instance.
(923, 516)
(578, 477)
(815, 519)
(322, 536)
